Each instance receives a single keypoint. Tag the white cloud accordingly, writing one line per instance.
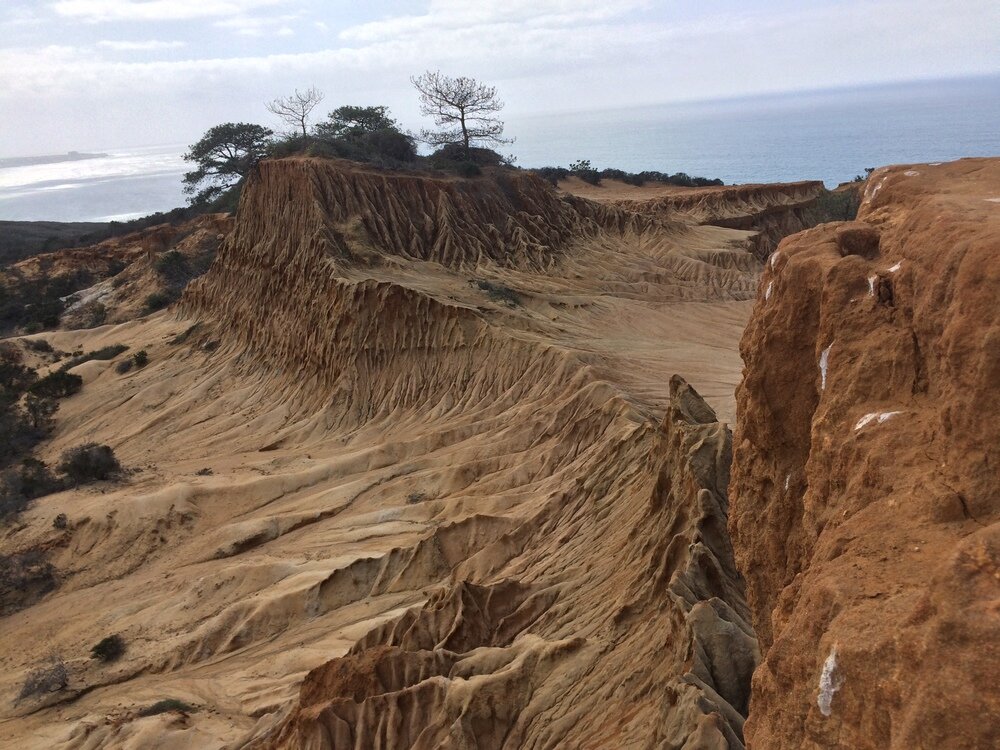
(544, 55)
(140, 46)
(155, 10)
(259, 25)
(445, 15)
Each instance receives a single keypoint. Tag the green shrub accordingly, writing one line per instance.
(172, 266)
(167, 705)
(158, 300)
(552, 174)
(89, 463)
(58, 384)
(124, 366)
(140, 359)
(36, 479)
(585, 172)
(109, 649)
(468, 169)
(837, 205)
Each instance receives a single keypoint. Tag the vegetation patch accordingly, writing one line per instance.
(48, 679)
(58, 384)
(499, 292)
(589, 174)
(89, 463)
(109, 649)
(25, 577)
(167, 705)
(40, 346)
(158, 300)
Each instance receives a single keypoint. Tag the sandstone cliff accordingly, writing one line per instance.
(867, 474)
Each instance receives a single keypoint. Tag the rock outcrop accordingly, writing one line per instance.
(772, 212)
(866, 481)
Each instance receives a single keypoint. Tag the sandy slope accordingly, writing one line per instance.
(383, 433)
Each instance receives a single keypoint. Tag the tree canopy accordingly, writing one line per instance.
(224, 156)
(462, 108)
(366, 134)
(350, 120)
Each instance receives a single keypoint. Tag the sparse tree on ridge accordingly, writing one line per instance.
(296, 108)
(224, 156)
(463, 109)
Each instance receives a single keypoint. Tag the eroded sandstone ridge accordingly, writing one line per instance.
(771, 211)
(866, 480)
(400, 475)
(561, 632)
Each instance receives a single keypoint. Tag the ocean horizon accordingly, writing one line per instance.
(830, 135)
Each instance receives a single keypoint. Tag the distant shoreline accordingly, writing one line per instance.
(31, 161)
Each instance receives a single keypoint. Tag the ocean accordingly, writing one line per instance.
(820, 135)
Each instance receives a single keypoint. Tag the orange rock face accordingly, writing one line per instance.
(866, 477)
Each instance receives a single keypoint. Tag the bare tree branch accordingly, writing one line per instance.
(462, 108)
(296, 108)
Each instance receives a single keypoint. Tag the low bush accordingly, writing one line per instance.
(21, 484)
(88, 315)
(89, 463)
(172, 266)
(58, 384)
(468, 169)
(499, 292)
(25, 577)
(139, 360)
(837, 205)
(109, 649)
(48, 679)
(38, 345)
(166, 705)
(158, 300)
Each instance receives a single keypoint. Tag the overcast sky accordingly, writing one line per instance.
(79, 74)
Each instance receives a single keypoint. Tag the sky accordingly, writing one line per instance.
(101, 74)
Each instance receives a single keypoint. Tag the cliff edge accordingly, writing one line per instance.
(866, 478)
